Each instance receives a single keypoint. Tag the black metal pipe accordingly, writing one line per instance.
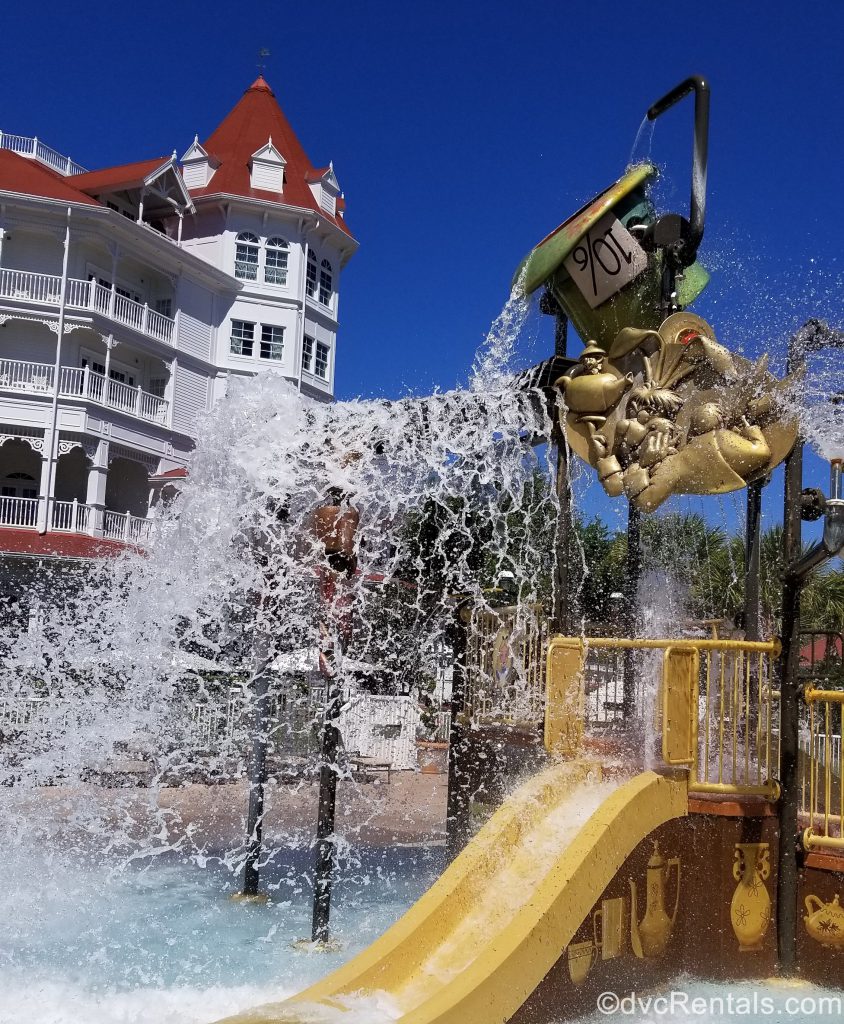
(752, 545)
(789, 808)
(700, 153)
(563, 612)
(257, 768)
(326, 813)
(457, 801)
(633, 573)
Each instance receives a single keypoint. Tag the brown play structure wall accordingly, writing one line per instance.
(703, 942)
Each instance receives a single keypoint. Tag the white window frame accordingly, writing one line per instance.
(280, 247)
(250, 338)
(249, 241)
(311, 275)
(308, 349)
(322, 347)
(326, 273)
(271, 342)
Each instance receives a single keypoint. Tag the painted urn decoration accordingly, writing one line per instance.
(750, 909)
(825, 922)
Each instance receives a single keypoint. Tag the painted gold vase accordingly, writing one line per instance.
(750, 909)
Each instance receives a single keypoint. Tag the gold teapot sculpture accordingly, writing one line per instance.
(650, 936)
(673, 411)
(825, 922)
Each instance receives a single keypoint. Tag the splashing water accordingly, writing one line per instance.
(450, 495)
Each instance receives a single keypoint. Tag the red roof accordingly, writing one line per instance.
(171, 474)
(254, 120)
(28, 177)
(113, 179)
(57, 545)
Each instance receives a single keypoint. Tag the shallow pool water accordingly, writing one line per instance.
(83, 943)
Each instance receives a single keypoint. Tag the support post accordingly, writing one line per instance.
(257, 767)
(457, 807)
(324, 872)
(633, 572)
(752, 620)
(789, 718)
(563, 611)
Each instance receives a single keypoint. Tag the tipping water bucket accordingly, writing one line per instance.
(597, 269)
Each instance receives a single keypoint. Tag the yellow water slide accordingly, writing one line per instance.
(483, 937)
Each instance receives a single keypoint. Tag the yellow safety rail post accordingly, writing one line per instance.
(564, 706)
(825, 805)
(718, 707)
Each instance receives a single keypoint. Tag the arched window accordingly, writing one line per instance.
(246, 257)
(19, 485)
(275, 268)
(325, 283)
(311, 275)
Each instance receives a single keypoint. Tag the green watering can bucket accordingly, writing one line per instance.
(596, 269)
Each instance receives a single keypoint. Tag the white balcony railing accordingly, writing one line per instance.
(124, 526)
(18, 511)
(26, 145)
(76, 382)
(71, 517)
(45, 289)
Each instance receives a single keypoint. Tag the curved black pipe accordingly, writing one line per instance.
(697, 206)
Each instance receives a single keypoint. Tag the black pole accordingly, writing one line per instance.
(633, 572)
(324, 871)
(752, 604)
(563, 612)
(257, 768)
(789, 826)
(458, 801)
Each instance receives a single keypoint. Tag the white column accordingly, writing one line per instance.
(45, 483)
(170, 390)
(51, 435)
(112, 298)
(96, 490)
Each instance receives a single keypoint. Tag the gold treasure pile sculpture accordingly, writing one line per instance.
(672, 411)
(655, 403)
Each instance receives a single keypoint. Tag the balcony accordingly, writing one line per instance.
(74, 382)
(45, 290)
(32, 146)
(74, 517)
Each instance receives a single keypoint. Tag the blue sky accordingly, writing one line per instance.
(463, 132)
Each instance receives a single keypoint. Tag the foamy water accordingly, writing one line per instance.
(83, 944)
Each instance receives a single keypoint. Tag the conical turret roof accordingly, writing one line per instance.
(256, 119)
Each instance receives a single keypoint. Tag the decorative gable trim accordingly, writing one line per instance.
(197, 166)
(325, 188)
(266, 168)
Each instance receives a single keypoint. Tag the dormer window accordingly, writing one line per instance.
(275, 268)
(266, 169)
(197, 166)
(246, 257)
(325, 188)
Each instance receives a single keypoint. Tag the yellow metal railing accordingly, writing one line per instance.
(822, 776)
(717, 709)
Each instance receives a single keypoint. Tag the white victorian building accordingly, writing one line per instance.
(127, 297)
